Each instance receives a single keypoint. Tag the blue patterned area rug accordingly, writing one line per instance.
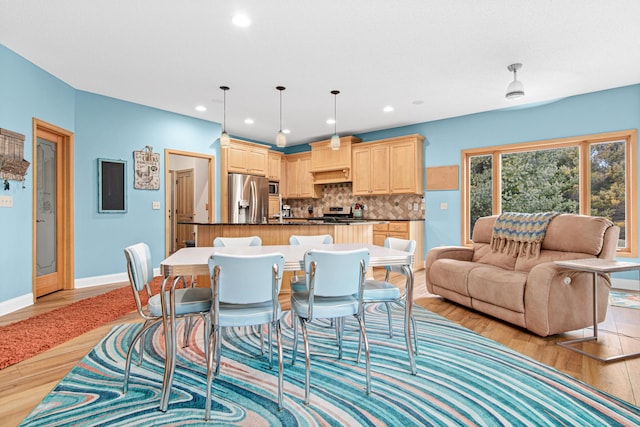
(463, 379)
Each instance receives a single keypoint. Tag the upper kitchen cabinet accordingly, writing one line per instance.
(299, 182)
(388, 166)
(370, 169)
(330, 166)
(245, 157)
(406, 164)
(274, 161)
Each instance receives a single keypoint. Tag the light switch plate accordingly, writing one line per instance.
(444, 206)
(6, 201)
(155, 205)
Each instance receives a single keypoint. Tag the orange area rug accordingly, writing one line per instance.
(26, 338)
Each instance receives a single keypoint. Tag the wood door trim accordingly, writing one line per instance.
(64, 201)
(167, 182)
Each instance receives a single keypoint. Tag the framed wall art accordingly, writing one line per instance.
(146, 169)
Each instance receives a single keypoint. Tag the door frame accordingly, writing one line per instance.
(64, 203)
(167, 190)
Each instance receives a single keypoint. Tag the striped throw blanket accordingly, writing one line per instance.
(520, 234)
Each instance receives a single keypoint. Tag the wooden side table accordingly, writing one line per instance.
(595, 266)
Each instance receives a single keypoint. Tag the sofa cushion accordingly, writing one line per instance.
(482, 253)
(499, 287)
(586, 234)
(452, 274)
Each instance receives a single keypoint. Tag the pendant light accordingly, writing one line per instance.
(335, 139)
(281, 138)
(515, 89)
(224, 137)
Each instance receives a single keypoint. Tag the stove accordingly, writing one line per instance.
(335, 214)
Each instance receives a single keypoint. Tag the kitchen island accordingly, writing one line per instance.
(279, 233)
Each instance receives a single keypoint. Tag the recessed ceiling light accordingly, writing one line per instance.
(287, 131)
(418, 102)
(241, 20)
(201, 108)
(388, 109)
(331, 121)
(248, 121)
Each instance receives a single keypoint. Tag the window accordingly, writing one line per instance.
(590, 175)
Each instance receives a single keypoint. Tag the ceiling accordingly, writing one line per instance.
(429, 59)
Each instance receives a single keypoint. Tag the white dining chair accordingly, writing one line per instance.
(383, 291)
(299, 282)
(335, 285)
(221, 242)
(245, 293)
(189, 302)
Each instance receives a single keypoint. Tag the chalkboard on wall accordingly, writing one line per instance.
(112, 186)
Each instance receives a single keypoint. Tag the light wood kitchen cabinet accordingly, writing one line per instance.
(274, 161)
(370, 169)
(403, 230)
(246, 157)
(406, 165)
(299, 183)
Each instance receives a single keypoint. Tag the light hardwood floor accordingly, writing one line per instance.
(24, 385)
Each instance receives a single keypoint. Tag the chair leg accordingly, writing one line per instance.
(388, 306)
(339, 332)
(280, 369)
(127, 366)
(294, 353)
(213, 341)
(147, 323)
(363, 333)
(307, 372)
(269, 343)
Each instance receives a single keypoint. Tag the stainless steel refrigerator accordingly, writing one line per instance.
(248, 199)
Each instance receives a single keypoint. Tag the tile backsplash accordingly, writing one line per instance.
(377, 207)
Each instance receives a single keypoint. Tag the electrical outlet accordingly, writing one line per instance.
(444, 206)
(155, 205)
(6, 201)
(410, 207)
(415, 206)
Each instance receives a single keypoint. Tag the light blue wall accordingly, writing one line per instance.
(604, 111)
(26, 92)
(110, 128)
(113, 129)
(103, 128)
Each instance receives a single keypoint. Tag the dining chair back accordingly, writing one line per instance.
(189, 301)
(221, 242)
(245, 293)
(298, 282)
(335, 281)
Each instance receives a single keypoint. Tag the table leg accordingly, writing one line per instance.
(594, 336)
(408, 306)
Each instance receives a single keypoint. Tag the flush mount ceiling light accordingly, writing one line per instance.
(515, 89)
(281, 138)
(335, 139)
(224, 137)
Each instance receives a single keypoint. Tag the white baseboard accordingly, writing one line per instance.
(108, 279)
(15, 304)
(26, 300)
(625, 284)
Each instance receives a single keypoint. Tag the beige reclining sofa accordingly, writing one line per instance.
(528, 291)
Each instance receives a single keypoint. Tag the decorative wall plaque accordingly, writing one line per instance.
(12, 164)
(146, 165)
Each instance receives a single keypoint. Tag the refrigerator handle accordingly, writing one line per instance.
(254, 202)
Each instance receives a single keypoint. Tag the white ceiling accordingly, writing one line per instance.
(451, 55)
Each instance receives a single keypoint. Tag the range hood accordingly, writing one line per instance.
(332, 166)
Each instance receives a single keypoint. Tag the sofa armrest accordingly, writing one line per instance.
(460, 253)
(557, 299)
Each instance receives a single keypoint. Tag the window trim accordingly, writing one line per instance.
(583, 142)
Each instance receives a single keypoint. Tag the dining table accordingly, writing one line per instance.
(194, 261)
